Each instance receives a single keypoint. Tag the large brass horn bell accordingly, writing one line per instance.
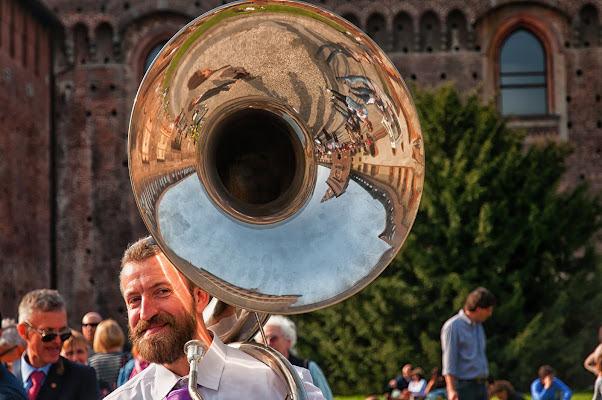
(276, 156)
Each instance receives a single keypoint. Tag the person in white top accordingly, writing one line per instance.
(164, 312)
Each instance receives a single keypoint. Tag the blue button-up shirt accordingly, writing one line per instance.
(463, 348)
(27, 370)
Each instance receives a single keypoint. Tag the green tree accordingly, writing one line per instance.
(492, 215)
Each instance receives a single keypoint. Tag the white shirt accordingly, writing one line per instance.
(223, 373)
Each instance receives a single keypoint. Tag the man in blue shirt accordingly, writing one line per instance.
(546, 387)
(44, 374)
(465, 365)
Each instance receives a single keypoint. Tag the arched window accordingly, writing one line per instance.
(523, 75)
(430, 32)
(152, 54)
(403, 33)
(456, 31)
(376, 29)
(104, 43)
(588, 26)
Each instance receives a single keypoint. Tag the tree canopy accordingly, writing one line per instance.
(492, 215)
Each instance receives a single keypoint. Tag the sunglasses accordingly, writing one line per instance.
(50, 336)
(90, 324)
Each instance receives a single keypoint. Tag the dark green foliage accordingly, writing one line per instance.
(492, 214)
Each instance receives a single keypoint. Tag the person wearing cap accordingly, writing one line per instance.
(465, 365)
(42, 371)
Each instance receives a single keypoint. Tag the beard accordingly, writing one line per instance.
(164, 347)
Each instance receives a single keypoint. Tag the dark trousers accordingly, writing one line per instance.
(471, 390)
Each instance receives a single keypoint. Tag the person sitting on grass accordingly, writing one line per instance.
(503, 390)
(546, 387)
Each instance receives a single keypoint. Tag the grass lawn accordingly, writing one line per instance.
(576, 396)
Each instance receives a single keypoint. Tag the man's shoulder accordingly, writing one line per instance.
(65, 366)
(453, 321)
(132, 389)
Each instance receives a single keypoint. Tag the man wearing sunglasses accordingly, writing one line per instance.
(41, 369)
(90, 322)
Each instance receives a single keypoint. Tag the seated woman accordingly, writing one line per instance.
(503, 390)
(417, 386)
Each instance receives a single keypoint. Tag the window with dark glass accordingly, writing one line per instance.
(523, 75)
(152, 54)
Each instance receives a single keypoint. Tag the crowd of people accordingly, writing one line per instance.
(42, 358)
(465, 372)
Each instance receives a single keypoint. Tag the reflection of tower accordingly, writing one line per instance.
(339, 176)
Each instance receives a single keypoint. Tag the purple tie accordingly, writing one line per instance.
(179, 394)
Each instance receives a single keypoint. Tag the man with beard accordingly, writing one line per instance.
(164, 312)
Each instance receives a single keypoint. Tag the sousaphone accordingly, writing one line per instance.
(277, 159)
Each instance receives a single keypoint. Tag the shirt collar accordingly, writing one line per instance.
(27, 369)
(464, 317)
(209, 371)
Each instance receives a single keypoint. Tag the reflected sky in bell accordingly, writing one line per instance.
(321, 252)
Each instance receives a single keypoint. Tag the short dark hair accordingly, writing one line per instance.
(141, 250)
(546, 370)
(480, 297)
(500, 386)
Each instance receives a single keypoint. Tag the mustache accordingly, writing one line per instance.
(159, 319)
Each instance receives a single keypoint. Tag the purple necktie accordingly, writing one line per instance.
(179, 394)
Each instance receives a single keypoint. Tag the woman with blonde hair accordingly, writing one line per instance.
(76, 348)
(109, 356)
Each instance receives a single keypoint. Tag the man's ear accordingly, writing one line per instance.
(22, 329)
(201, 299)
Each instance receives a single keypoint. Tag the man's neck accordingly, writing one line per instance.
(34, 361)
(181, 367)
(471, 316)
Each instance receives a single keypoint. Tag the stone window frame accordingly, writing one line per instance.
(146, 45)
(555, 122)
(531, 75)
(543, 33)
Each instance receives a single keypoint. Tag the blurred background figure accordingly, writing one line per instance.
(435, 387)
(591, 360)
(76, 348)
(598, 383)
(12, 344)
(108, 357)
(90, 322)
(503, 390)
(417, 386)
(10, 387)
(548, 386)
(131, 368)
(281, 334)
(400, 383)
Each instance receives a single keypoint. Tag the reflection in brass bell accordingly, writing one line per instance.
(276, 156)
